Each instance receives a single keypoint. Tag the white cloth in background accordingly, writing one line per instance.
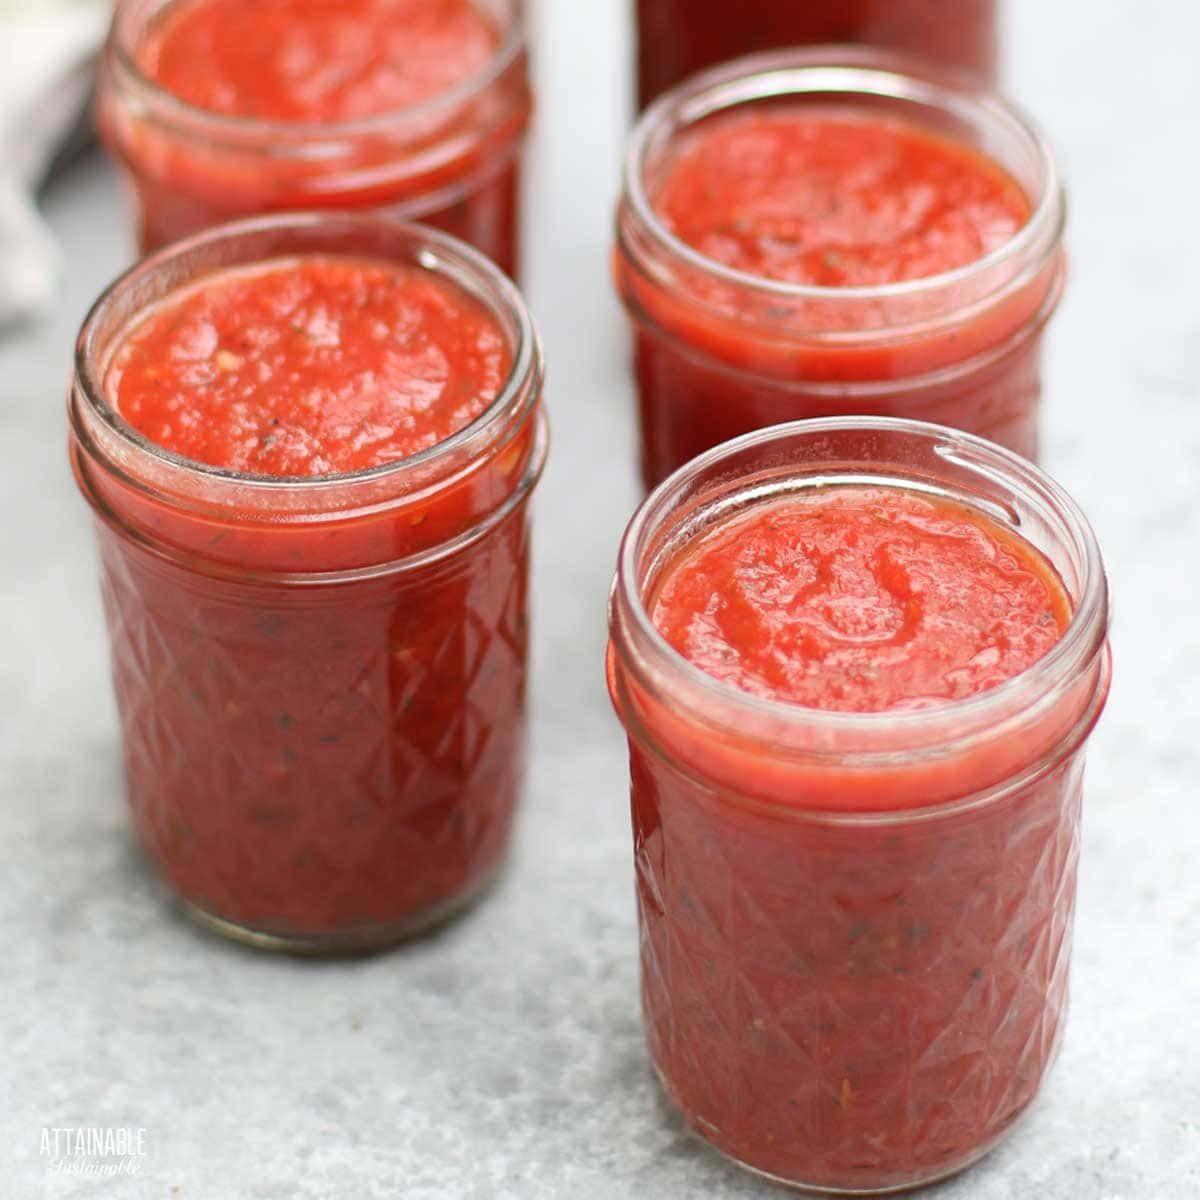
(47, 52)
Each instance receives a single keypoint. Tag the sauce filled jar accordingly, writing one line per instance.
(857, 662)
(218, 109)
(676, 38)
(830, 232)
(309, 443)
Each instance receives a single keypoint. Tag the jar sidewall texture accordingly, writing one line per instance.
(323, 714)
(690, 400)
(871, 968)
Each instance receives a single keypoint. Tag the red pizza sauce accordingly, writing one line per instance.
(860, 600)
(321, 676)
(834, 200)
(676, 38)
(803, 257)
(220, 109)
(315, 60)
(313, 367)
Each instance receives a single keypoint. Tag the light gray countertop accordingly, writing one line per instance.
(503, 1057)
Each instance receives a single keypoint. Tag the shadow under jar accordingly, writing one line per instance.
(677, 38)
(450, 158)
(855, 925)
(321, 679)
(720, 350)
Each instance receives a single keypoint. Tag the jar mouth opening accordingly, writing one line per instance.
(1083, 638)
(429, 249)
(126, 29)
(840, 72)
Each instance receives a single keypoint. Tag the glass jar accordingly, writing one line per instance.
(452, 161)
(855, 928)
(321, 681)
(719, 352)
(676, 38)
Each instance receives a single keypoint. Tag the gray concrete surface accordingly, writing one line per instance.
(503, 1058)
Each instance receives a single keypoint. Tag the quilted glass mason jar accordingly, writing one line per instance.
(855, 928)
(719, 352)
(321, 681)
(453, 161)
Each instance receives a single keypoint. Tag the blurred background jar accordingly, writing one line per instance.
(202, 104)
(676, 38)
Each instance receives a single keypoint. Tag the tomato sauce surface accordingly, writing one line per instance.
(861, 600)
(315, 60)
(836, 201)
(310, 367)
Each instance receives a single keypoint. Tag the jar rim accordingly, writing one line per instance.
(1083, 638)
(432, 250)
(119, 50)
(851, 71)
